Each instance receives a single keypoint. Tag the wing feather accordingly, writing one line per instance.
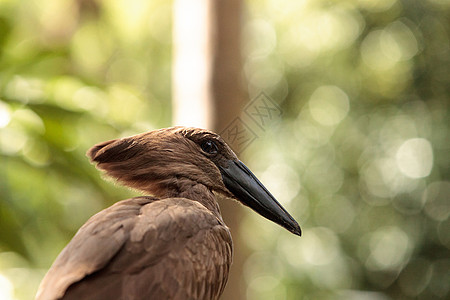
(144, 249)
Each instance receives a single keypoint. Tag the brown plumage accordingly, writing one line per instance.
(173, 245)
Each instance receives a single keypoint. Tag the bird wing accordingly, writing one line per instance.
(142, 247)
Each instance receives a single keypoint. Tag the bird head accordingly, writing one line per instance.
(162, 161)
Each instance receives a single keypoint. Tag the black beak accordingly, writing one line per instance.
(244, 185)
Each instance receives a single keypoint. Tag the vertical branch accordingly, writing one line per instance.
(228, 102)
(208, 88)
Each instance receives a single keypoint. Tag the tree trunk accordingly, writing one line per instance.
(228, 102)
(208, 91)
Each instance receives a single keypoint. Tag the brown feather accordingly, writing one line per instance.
(144, 248)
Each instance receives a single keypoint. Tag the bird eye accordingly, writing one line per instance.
(209, 147)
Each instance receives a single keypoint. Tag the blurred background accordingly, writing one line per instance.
(342, 109)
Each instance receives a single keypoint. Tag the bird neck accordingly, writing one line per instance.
(189, 189)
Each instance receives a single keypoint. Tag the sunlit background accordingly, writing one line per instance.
(360, 154)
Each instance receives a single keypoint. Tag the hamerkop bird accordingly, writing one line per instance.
(173, 244)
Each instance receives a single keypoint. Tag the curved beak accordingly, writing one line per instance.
(244, 185)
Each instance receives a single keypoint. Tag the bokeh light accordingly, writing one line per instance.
(365, 128)
(415, 158)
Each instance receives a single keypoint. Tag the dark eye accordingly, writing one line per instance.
(209, 147)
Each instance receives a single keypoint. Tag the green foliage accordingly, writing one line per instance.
(72, 74)
(361, 155)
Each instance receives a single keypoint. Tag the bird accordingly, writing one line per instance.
(171, 243)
